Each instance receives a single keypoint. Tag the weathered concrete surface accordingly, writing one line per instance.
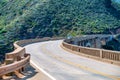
(63, 65)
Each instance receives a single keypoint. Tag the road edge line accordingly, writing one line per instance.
(47, 74)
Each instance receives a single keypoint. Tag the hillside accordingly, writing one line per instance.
(25, 19)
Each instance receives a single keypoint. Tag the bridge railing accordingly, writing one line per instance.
(18, 58)
(29, 41)
(20, 51)
(90, 51)
(112, 55)
(99, 54)
(84, 50)
(14, 66)
(17, 52)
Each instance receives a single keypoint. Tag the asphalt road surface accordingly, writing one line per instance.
(63, 65)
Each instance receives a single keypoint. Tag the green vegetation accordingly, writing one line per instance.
(113, 44)
(25, 19)
(116, 4)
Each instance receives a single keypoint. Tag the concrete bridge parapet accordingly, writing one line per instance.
(79, 47)
(94, 41)
(19, 59)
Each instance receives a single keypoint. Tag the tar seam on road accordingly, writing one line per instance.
(80, 66)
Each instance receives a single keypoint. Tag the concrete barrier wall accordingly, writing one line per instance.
(90, 51)
(14, 66)
(29, 41)
(83, 50)
(17, 52)
(15, 60)
(100, 54)
(112, 55)
(20, 51)
(18, 58)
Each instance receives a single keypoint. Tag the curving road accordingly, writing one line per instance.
(63, 65)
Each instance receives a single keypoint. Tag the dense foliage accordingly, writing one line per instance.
(24, 19)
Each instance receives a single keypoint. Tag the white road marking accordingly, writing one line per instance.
(47, 74)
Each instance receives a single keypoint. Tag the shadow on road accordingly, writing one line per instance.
(29, 73)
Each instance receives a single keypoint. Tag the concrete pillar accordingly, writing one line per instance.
(81, 43)
(98, 43)
(92, 43)
(76, 42)
(94, 40)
